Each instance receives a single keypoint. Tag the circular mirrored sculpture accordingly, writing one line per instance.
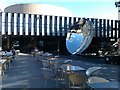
(79, 36)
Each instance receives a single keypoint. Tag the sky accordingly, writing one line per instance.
(102, 9)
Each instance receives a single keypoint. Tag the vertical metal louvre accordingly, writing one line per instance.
(18, 23)
(70, 23)
(108, 27)
(40, 25)
(60, 26)
(104, 27)
(12, 23)
(100, 28)
(23, 24)
(6, 23)
(96, 27)
(116, 28)
(29, 24)
(65, 25)
(50, 25)
(3, 24)
(55, 25)
(74, 20)
(111, 28)
(35, 24)
(45, 25)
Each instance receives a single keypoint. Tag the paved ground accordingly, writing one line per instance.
(25, 71)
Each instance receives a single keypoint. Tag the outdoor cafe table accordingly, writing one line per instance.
(46, 54)
(55, 60)
(108, 85)
(70, 68)
(2, 63)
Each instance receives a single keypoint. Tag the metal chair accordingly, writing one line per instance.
(77, 80)
(47, 74)
(93, 71)
(1, 69)
(67, 61)
(45, 63)
(57, 66)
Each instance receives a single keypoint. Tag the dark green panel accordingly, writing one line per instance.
(65, 25)
(60, 26)
(55, 25)
(6, 23)
(40, 24)
(12, 23)
(50, 26)
(45, 25)
(29, 24)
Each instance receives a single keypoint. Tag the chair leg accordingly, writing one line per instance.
(45, 83)
(57, 81)
(69, 82)
(73, 86)
(1, 72)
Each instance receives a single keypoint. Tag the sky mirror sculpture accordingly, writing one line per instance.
(79, 36)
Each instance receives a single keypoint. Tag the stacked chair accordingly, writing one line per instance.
(92, 74)
(49, 70)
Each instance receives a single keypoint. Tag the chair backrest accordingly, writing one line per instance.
(93, 71)
(47, 73)
(45, 63)
(67, 61)
(1, 66)
(95, 79)
(57, 65)
(77, 79)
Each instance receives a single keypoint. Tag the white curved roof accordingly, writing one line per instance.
(45, 9)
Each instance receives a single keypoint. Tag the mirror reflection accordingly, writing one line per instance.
(79, 36)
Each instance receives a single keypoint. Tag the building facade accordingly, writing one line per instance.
(28, 27)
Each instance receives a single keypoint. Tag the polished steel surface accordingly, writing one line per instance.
(80, 36)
